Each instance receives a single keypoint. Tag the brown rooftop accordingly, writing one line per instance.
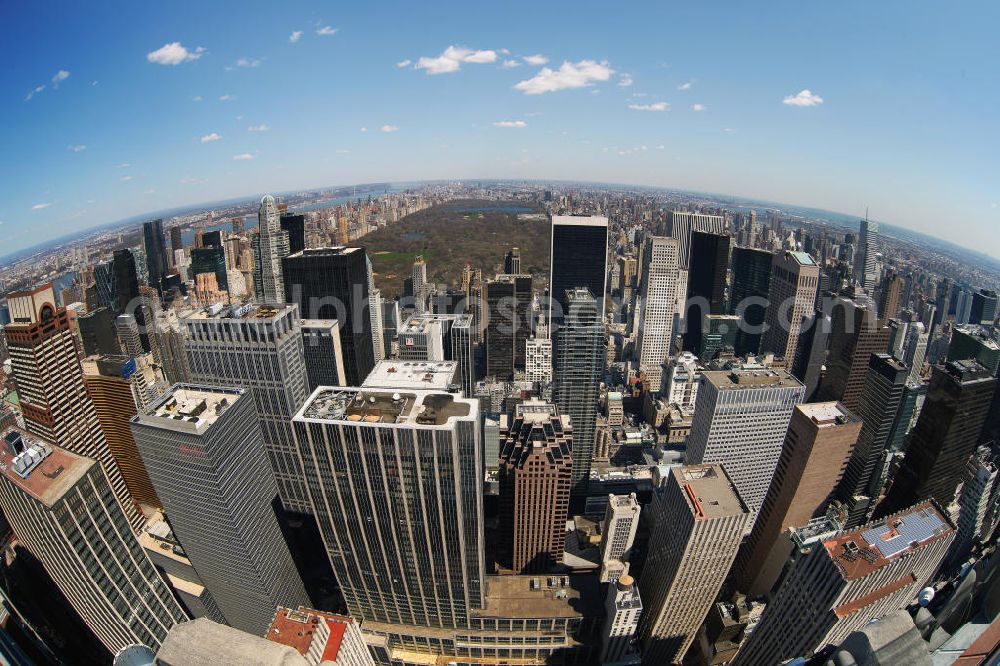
(48, 480)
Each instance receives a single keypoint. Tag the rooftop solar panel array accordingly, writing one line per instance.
(895, 536)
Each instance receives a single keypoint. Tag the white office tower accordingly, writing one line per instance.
(270, 246)
(839, 584)
(396, 479)
(538, 360)
(421, 290)
(375, 313)
(699, 522)
(740, 422)
(258, 348)
(421, 338)
(63, 511)
(680, 380)
(977, 503)
(620, 524)
(203, 450)
(659, 298)
(622, 609)
(917, 341)
(865, 266)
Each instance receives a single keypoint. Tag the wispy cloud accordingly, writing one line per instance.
(697, 107)
(803, 98)
(76, 148)
(258, 128)
(125, 179)
(389, 128)
(685, 86)
(655, 106)
(37, 89)
(196, 98)
(510, 64)
(730, 130)
(149, 191)
(511, 123)
(59, 77)
(327, 30)
(537, 59)
(569, 75)
(243, 157)
(451, 59)
(295, 36)
(364, 129)
(174, 54)
(342, 151)
(404, 63)
(123, 165)
(227, 98)
(625, 80)
(209, 138)
(249, 62)
(40, 206)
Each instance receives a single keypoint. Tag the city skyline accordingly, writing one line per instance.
(472, 100)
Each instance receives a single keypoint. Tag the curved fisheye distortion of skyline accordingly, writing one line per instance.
(115, 110)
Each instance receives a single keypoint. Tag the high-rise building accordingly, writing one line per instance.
(658, 302)
(536, 469)
(156, 252)
(332, 283)
(320, 637)
(621, 522)
(170, 340)
(512, 262)
(578, 366)
(878, 408)
(977, 502)
(946, 434)
(622, 611)
(699, 522)
(118, 390)
(97, 332)
(538, 360)
(421, 290)
(867, 250)
(508, 301)
(749, 295)
(915, 353)
(740, 422)
(857, 333)
(838, 584)
(323, 356)
(375, 313)
(792, 296)
(681, 224)
(45, 365)
(706, 286)
(295, 227)
(211, 260)
(578, 259)
(889, 300)
(984, 307)
(63, 511)
(972, 341)
(463, 352)
(680, 380)
(259, 348)
(129, 298)
(204, 453)
(270, 247)
(818, 443)
(431, 573)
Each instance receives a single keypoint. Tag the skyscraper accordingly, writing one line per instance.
(508, 302)
(54, 399)
(740, 422)
(984, 307)
(512, 262)
(972, 341)
(889, 300)
(578, 258)
(839, 584)
(706, 287)
(857, 333)
(681, 224)
(867, 249)
(421, 290)
(295, 227)
(258, 348)
(63, 511)
(129, 298)
(946, 434)
(332, 283)
(749, 295)
(621, 522)
(536, 469)
(270, 246)
(323, 356)
(792, 295)
(658, 301)
(622, 611)
(156, 252)
(578, 365)
(369, 454)
(698, 525)
(818, 443)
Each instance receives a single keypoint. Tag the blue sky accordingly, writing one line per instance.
(900, 109)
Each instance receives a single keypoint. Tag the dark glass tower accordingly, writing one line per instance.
(129, 299)
(210, 259)
(156, 252)
(295, 225)
(749, 291)
(579, 257)
(332, 283)
(706, 283)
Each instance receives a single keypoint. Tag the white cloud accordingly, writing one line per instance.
(189, 180)
(510, 64)
(569, 75)
(451, 59)
(227, 98)
(35, 91)
(994, 205)
(660, 147)
(149, 191)
(625, 80)
(59, 77)
(295, 36)
(243, 157)
(404, 63)
(209, 138)
(343, 151)
(125, 179)
(327, 30)
(248, 62)
(685, 86)
(364, 129)
(77, 148)
(536, 60)
(123, 165)
(196, 98)
(728, 129)
(511, 123)
(173, 54)
(389, 128)
(697, 107)
(258, 128)
(656, 106)
(40, 206)
(803, 98)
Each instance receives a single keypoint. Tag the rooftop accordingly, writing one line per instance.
(372, 405)
(710, 493)
(326, 251)
(827, 414)
(542, 596)
(583, 220)
(299, 628)
(190, 408)
(39, 467)
(742, 378)
(860, 552)
(409, 375)
(239, 311)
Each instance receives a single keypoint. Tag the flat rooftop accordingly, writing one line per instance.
(242, 311)
(39, 467)
(710, 492)
(743, 378)
(520, 596)
(409, 375)
(827, 414)
(384, 406)
(582, 220)
(860, 552)
(189, 407)
(299, 628)
(331, 251)
(325, 324)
